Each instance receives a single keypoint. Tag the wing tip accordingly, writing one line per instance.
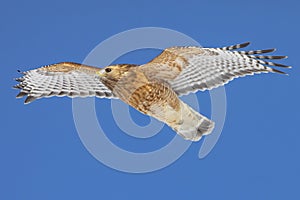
(278, 71)
(21, 94)
(20, 79)
(236, 46)
(281, 65)
(29, 99)
(282, 57)
(269, 57)
(245, 44)
(21, 72)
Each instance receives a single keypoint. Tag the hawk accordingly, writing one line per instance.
(153, 88)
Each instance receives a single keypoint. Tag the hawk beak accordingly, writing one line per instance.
(100, 73)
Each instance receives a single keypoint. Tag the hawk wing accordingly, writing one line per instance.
(189, 69)
(62, 79)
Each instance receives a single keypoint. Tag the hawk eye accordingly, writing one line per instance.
(108, 70)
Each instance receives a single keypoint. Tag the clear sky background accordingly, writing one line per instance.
(257, 156)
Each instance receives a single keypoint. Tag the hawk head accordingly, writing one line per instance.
(112, 74)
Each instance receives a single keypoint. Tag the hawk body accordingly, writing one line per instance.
(153, 88)
(152, 96)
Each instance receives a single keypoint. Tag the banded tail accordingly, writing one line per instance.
(192, 125)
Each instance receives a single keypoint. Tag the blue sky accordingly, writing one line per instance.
(257, 156)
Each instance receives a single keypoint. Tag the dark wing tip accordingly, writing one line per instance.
(279, 65)
(237, 46)
(267, 57)
(267, 50)
(278, 71)
(257, 51)
(18, 86)
(29, 99)
(19, 79)
(279, 57)
(243, 44)
(271, 57)
(21, 72)
(21, 94)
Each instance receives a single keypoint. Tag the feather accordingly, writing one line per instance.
(61, 79)
(208, 68)
(237, 46)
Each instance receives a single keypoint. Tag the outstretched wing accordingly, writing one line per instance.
(61, 79)
(189, 69)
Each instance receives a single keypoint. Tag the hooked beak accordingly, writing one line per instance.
(100, 73)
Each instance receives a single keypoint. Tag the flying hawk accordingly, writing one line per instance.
(153, 88)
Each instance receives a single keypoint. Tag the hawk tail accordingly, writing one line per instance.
(193, 125)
